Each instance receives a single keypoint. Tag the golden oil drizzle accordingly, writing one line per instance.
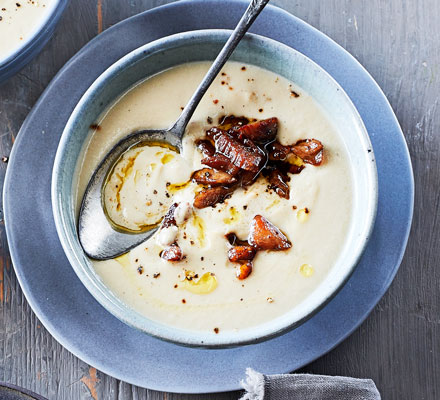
(125, 171)
(303, 214)
(199, 223)
(306, 270)
(234, 216)
(198, 189)
(273, 204)
(167, 158)
(124, 260)
(175, 187)
(295, 160)
(137, 175)
(205, 285)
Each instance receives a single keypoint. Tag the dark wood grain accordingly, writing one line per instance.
(399, 344)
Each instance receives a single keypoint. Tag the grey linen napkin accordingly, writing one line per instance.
(307, 387)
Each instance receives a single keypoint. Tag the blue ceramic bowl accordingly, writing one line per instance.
(32, 46)
(197, 46)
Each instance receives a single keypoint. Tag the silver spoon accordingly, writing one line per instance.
(96, 234)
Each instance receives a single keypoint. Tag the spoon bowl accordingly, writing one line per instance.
(98, 236)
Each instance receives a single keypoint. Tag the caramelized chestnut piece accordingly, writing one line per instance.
(169, 219)
(222, 163)
(263, 131)
(266, 236)
(309, 150)
(294, 169)
(172, 253)
(211, 196)
(241, 253)
(231, 122)
(278, 182)
(206, 147)
(240, 155)
(244, 270)
(208, 176)
(277, 152)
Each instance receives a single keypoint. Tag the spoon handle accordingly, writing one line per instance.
(254, 8)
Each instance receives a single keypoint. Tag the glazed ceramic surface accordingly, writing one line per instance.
(83, 326)
(205, 45)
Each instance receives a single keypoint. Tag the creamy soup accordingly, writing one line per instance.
(19, 19)
(201, 291)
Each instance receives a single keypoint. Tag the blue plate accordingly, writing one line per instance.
(79, 323)
(34, 45)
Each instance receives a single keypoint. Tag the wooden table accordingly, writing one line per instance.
(398, 346)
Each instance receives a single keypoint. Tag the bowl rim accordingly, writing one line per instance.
(55, 11)
(160, 330)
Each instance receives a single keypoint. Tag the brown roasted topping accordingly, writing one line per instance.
(248, 178)
(172, 253)
(233, 240)
(208, 176)
(169, 220)
(206, 147)
(244, 148)
(227, 122)
(309, 150)
(263, 236)
(241, 253)
(266, 236)
(244, 270)
(214, 132)
(254, 148)
(278, 182)
(263, 131)
(295, 169)
(240, 155)
(222, 163)
(211, 196)
(277, 152)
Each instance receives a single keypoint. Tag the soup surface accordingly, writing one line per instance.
(201, 291)
(18, 21)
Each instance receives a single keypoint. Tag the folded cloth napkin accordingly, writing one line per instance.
(307, 387)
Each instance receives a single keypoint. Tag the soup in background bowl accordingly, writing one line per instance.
(27, 25)
(326, 214)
